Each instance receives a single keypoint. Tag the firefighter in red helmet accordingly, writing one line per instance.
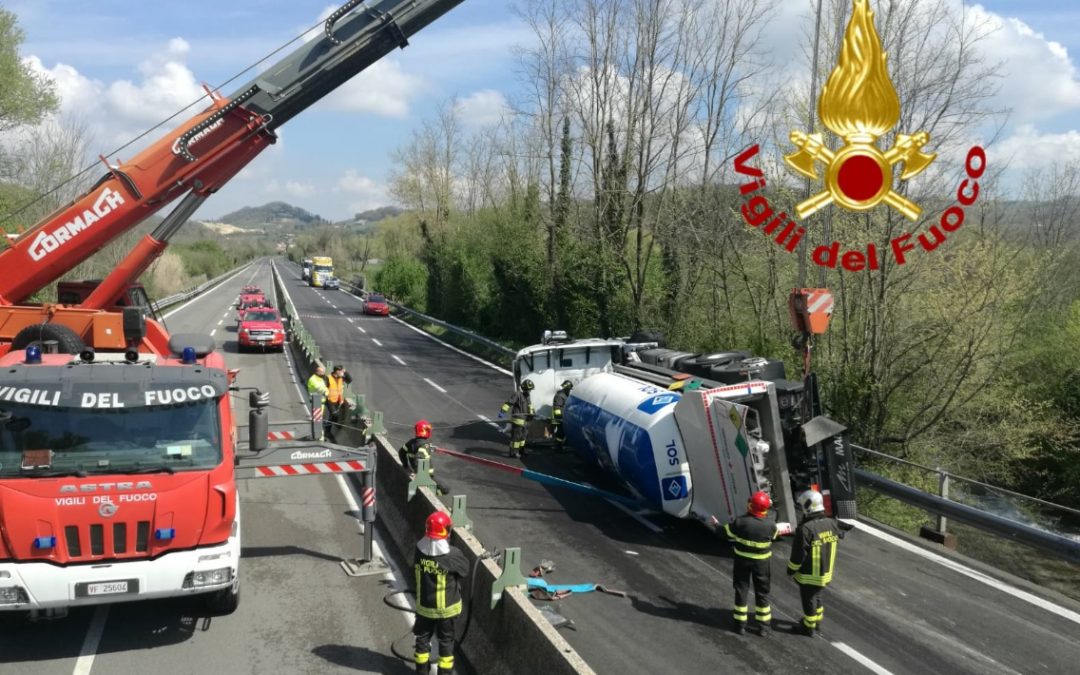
(418, 447)
(439, 569)
(751, 536)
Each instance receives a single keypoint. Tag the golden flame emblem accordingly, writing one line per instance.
(859, 104)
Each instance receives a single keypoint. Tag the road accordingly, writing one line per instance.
(299, 612)
(895, 607)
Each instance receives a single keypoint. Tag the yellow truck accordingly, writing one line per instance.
(322, 267)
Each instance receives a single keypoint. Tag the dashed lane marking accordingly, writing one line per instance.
(340, 312)
(489, 364)
(376, 342)
(90, 644)
(434, 385)
(349, 320)
(398, 359)
(865, 661)
(361, 329)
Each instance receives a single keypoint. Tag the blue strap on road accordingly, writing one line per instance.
(555, 588)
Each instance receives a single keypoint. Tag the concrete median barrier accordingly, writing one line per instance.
(511, 638)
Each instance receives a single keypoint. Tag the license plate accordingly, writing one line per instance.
(120, 587)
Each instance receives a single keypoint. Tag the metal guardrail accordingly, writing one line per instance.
(1057, 545)
(184, 296)
(456, 330)
(299, 334)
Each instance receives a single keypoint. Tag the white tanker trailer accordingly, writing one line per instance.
(690, 446)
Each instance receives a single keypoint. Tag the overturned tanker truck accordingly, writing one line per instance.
(693, 435)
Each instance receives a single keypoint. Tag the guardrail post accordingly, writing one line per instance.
(422, 478)
(458, 514)
(511, 575)
(942, 521)
(377, 422)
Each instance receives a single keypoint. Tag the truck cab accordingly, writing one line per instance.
(117, 478)
(75, 292)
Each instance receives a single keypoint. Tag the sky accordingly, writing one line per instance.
(122, 66)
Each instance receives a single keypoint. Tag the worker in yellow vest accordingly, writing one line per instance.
(337, 405)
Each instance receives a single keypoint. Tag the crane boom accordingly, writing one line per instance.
(206, 151)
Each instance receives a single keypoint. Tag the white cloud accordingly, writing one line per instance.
(482, 108)
(1028, 149)
(118, 111)
(363, 192)
(383, 89)
(1039, 79)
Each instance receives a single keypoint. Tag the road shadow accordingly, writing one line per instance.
(362, 658)
(278, 551)
(710, 617)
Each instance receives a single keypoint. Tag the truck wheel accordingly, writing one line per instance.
(68, 340)
(225, 601)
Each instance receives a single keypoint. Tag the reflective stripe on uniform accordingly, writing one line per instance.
(740, 612)
(446, 662)
(435, 613)
(753, 556)
(421, 659)
(519, 421)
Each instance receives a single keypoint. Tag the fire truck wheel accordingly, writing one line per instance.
(68, 340)
(225, 601)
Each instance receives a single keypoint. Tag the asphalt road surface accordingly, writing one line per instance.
(299, 612)
(895, 606)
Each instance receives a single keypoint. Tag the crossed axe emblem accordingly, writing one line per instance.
(858, 176)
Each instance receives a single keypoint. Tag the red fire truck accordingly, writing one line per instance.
(117, 442)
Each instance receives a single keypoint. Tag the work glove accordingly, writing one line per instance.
(501, 414)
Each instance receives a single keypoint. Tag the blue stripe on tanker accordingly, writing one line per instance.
(642, 434)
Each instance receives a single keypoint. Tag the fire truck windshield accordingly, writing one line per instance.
(95, 441)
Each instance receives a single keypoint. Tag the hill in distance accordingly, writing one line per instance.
(280, 216)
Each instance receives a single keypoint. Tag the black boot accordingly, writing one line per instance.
(765, 629)
(739, 627)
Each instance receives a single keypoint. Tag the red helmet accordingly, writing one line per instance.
(423, 429)
(438, 525)
(759, 504)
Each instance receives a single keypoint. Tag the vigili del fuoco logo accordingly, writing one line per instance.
(859, 104)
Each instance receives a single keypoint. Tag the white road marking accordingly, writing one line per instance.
(434, 385)
(220, 321)
(340, 312)
(376, 342)
(349, 320)
(90, 644)
(395, 574)
(1031, 598)
(489, 364)
(362, 329)
(398, 359)
(870, 665)
(213, 332)
(494, 424)
(200, 297)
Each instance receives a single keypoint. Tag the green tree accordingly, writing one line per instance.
(25, 96)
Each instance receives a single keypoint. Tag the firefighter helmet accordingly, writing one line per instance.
(438, 526)
(811, 501)
(528, 385)
(423, 429)
(567, 385)
(759, 504)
